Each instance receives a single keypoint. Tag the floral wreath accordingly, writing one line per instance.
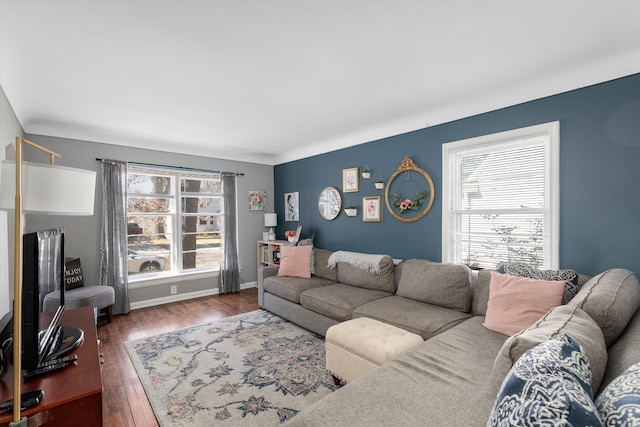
(404, 205)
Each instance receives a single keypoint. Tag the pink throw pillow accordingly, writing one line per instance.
(515, 303)
(295, 261)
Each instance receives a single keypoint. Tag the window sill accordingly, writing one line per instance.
(170, 278)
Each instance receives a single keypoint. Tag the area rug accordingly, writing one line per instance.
(252, 369)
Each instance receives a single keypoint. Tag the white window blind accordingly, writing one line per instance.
(500, 198)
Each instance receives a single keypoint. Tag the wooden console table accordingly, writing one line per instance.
(73, 395)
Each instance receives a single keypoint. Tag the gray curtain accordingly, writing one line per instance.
(229, 267)
(113, 235)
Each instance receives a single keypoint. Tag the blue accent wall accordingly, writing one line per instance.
(599, 172)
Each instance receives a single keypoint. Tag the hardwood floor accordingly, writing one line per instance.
(124, 400)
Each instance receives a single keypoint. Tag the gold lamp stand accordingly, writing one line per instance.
(17, 279)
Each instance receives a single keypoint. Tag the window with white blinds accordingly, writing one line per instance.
(500, 198)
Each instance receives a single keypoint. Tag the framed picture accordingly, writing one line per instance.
(257, 200)
(350, 180)
(371, 209)
(291, 209)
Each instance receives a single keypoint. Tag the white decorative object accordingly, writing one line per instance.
(366, 173)
(271, 220)
(379, 183)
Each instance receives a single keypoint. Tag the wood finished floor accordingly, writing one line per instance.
(124, 400)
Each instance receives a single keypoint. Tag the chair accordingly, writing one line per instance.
(78, 295)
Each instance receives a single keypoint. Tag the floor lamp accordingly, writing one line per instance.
(44, 189)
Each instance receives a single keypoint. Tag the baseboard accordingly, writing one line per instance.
(185, 296)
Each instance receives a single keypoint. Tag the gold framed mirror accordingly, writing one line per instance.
(423, 201)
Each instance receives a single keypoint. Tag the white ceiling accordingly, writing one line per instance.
(271, 81)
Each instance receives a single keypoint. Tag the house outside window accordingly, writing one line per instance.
(501, 198)
(174, 221)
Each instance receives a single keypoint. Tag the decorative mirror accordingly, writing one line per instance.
(329, 203)
(416, 201)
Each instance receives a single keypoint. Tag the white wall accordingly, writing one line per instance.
(9, 129)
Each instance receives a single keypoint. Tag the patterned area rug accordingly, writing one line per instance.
(251, 369)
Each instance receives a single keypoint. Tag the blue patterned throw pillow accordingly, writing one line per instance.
(549, 385)
(570, 277)
(619, 403)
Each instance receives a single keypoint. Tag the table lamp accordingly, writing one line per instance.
(43, 189)
(271, 220)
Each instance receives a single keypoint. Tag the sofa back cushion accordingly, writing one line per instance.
(624, 352)
(321, 265)
(611, 298)
(445, 285)
(356, 276)
(480, 289)
(562, 319)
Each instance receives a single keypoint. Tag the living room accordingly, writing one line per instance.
(599, 156)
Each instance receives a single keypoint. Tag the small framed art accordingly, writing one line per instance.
(371, 209)
(257, 200)
(292, 209)
(350, 180)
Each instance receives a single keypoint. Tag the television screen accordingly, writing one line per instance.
(42, 272)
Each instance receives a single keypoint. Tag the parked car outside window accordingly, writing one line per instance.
(145, 263)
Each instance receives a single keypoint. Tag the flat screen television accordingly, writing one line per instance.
(42, 272)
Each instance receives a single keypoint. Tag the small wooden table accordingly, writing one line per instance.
(73, 395)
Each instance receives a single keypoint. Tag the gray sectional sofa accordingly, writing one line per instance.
(453, 377)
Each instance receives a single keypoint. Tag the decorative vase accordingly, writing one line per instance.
(291, 239)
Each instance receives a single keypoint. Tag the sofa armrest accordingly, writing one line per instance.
(263, 273)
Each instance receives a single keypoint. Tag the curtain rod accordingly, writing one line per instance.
(175, 167)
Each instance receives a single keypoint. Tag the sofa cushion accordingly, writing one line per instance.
(549, 385)
(290, 288)
(338, 301)
(420, 318)
(446, 285)
(321, 264)
(562, 319)
(480, 290)
(516, 303)
(295, 261)
(611, 298)
(619, 402)
(570, 277)
(624, 352)
(355, 276)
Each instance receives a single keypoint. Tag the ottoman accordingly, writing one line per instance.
(360, 345)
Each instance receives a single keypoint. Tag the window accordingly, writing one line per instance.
(174, 218)
(501, 198)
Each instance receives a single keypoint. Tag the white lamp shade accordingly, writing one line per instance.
(270, 220)
(48, 189)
